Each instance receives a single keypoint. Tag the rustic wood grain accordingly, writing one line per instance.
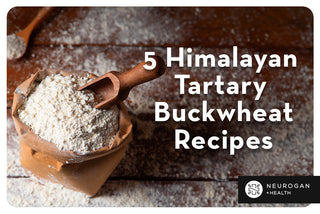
(204, 27)
(125, 193)
(153, 173)
(130, 193)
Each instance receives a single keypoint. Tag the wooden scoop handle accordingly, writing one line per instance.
(25, 34)
(139, 74)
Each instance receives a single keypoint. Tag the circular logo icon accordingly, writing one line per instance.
(253, 189)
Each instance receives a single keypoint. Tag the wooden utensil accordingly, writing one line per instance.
(114, 87)
(25, 33)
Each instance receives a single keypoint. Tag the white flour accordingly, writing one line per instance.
(15, 46)
(58, 113)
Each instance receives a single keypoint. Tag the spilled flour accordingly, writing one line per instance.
(15, 46)
(58, 113)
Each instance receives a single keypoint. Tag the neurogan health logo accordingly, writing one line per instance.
(278, 189)
(253, 189)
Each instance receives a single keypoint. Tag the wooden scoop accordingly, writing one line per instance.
(25, 33)
(114, 87)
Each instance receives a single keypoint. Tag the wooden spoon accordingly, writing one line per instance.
(25, 33)
(114, 87)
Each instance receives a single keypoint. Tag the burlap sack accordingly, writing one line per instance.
(83, 173)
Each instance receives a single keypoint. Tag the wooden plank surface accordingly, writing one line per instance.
(204, 27)
(103, 39)
(131, 193)
(125, 193)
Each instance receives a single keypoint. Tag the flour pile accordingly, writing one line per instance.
(15, 46)
(58, 113)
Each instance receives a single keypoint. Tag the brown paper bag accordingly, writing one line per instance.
(83, 173)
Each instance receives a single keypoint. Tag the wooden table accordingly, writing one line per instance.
(153, 173)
